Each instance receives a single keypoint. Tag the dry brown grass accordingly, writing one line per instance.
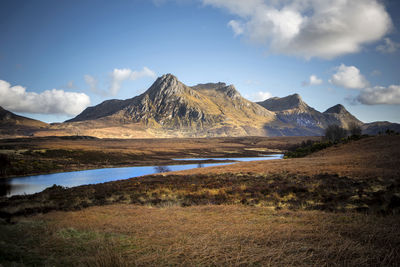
(183, 146)
(221, 235)
(375, 157)
(214, 236)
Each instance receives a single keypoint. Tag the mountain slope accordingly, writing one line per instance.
(15, 125)
(169, 105)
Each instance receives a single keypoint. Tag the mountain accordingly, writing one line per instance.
(339, 115)
(15, 125)
(172, 108)
(304, 119)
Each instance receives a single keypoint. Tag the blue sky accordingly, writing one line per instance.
(58, 57)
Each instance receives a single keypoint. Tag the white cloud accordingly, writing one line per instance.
(236, 26)
(349, 77)
(16, 98)
(260, 96)
(380, 95)
(120, 75)
(309, 28)
(388, 47)
(313, 80)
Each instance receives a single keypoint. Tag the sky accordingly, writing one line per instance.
(59, 57)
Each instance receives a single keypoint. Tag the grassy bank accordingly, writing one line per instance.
(319, 192)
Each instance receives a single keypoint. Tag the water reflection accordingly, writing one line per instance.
(161, 169)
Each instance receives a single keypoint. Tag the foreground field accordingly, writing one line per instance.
(339, 206)
(127, 235)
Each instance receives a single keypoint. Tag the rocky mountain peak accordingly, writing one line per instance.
(230, 91)
(167, 84)
(284, 103)
(338, 109)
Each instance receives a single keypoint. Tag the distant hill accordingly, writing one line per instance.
(304, 119)
(170, 108)
(15, 125)
(380, 127)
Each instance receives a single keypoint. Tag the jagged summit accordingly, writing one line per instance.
(284, 103)
(166, 79)
(166, 84)
(338, 109)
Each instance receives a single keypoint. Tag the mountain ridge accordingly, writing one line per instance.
(170, 108)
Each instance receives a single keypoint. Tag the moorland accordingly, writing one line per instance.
(337, 206)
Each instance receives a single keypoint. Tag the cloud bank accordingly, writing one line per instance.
(380, 95)
(308, 28)
(349, 77)
(17, 99)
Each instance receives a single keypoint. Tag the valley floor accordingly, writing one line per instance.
(339, 206)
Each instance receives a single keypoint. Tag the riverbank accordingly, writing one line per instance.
(43, 155)
(358, 176)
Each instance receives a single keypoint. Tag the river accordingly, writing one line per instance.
(37, 183)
